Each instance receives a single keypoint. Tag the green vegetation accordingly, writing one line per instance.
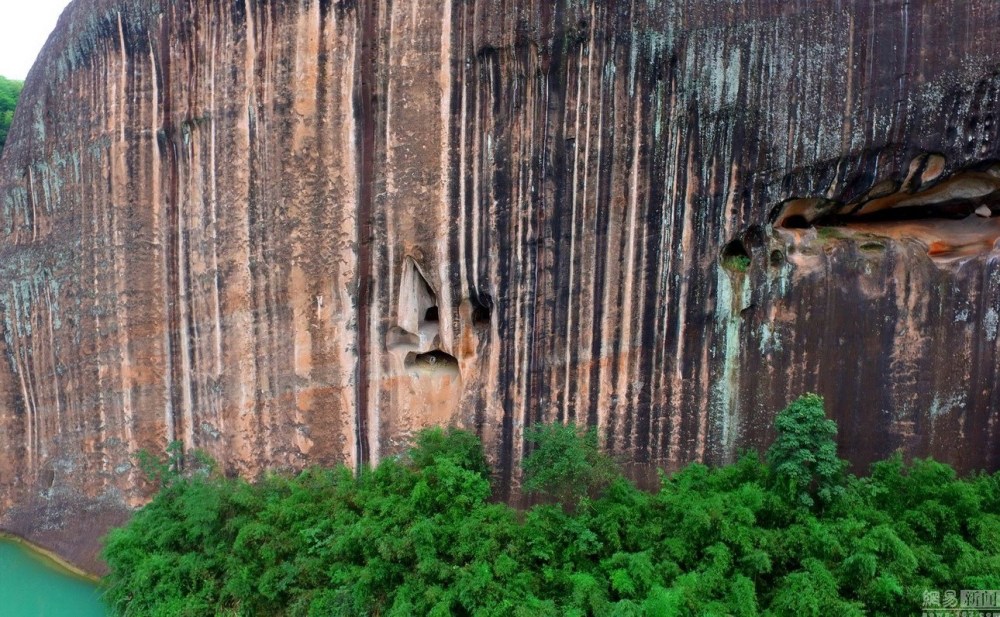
(10, 91)
(878, 247)
(803, 459)
(567, 464)
(739, 263)
(792, 534)
(827, 232)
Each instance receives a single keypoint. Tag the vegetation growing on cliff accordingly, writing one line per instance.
(418, 535)
(10, 91)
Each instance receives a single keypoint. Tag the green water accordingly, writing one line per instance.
(33, 586)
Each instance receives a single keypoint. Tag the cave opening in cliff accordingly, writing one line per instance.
(949, 211)
(482, 310)
(952, 215)
(735, 256)
(796, 221)
(434, 362)
(431, 314)
(956, 229)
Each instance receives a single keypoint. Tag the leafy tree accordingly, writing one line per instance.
(566, 464)
(803, 457)
(10, 91)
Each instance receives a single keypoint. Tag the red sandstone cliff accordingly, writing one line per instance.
(295, 231)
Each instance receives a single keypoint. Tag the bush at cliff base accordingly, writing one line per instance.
(792, 534)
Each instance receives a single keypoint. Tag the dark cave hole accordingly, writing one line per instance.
(434, 357)
(434, 361)
(480, 315)
(482, 310)
(735, 248)
(735, 256)
(953, 215)
(431, 314)
(947, 211)
(953, 210)
(796, 221)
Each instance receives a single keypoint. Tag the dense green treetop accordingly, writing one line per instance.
(792, 534)
(10, 91)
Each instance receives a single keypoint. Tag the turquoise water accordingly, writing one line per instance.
(34, 586)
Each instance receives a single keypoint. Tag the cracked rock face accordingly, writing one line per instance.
(296, 232)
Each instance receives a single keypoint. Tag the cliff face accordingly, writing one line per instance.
(296, 231)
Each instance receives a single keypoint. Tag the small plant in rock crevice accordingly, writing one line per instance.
(737, 263)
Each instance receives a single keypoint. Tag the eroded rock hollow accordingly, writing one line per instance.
(295, 231)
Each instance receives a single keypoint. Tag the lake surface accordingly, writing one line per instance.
(31, 585)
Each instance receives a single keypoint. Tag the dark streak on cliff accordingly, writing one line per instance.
(367, 125)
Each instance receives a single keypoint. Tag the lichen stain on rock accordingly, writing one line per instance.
(207, 208)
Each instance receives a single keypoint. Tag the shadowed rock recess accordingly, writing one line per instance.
(294, 232)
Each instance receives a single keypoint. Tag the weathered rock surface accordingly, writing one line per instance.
(295, 231)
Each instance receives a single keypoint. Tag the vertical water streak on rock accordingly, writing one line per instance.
(213, 220)
(581, 198)
(368, 14)
(449, 261)
(568, 408)
(733, 292)
(467, 266)
(163, 165)
(348, 270)
(631, 329)
(119, 181)
(596, 264)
